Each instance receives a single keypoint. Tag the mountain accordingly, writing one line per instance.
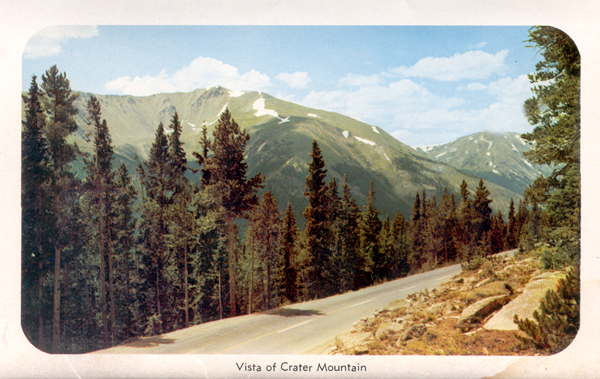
(494, 157)
(281, 136)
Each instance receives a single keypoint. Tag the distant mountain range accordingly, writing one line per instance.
(281, 136)
(495, 157)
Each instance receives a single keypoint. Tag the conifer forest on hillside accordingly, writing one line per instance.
(109, 254)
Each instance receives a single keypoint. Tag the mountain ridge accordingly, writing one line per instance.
(281, 136)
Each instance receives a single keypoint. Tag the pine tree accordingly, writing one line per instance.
(316, 220)
(432, 232)
(34, 177)
(349, 239)
(373, 261)
(269, 231)
(554, 111)
(289, 235)
(448, 213)
(154, 176)
(236, 194)
(498, 233)
(331, 273)
(400, 257)
(482, 210)
(123, 226)
(511, 234)
(465, 238)
(100, 178)
(416, 234)
(63, 186)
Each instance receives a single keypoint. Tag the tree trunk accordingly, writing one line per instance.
(40, 308)
(251, 274)
(102, 247)
(56, 305)
(111, 290)
(38, 241)
(185, 285)
(220, 302)
(231, 261)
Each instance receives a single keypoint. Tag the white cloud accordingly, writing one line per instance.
(476, 86)
(296, 80)
(515, 90)
(470, 65)
(416, 115)
(380, 104)
(480, 45)
(200, 73)
(352, 80)
(48, 41)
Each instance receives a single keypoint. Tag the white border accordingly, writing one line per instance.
(21, 19)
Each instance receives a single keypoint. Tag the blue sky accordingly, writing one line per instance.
(422, 84)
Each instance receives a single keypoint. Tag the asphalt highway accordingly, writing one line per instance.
(303, 328)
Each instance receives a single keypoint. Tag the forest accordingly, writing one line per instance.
(104, 260)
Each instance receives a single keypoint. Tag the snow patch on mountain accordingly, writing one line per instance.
(345, 133)
(363, 140)
(261, 146)
(313, 115)
(259, 106)
(386, 157)
(375, 129)
(284, 120)
(236, 93)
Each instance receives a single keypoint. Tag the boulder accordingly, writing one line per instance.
(397, 304)
(526, 303)
(437, 309)
(479, 310)
(488, 290)
(387, 328)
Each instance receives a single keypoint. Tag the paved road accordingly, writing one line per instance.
(304, 328)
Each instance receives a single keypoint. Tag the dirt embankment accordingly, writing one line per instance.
(471, 314)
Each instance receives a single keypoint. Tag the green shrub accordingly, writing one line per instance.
(556, 322)
(552, 258)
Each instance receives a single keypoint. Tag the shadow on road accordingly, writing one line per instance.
(149, 342)
(291, 312)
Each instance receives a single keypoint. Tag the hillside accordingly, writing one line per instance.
(495, 157)
(470, 314)
(281, 135)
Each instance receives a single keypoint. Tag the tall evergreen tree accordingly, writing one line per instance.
(349, 239)
(482, 221)
(370, 225)
(124, 229)
(554, 111)
(34, 177)
(400, 258)
(100, 177)
(316, 220)
(154, 176)
(236, 194)
(448, 212)
(63, 186)
(416, 234)
(289, 233)
(511, 234)
(268, 228)
(465, 238)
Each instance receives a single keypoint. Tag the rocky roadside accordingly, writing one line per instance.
(471, 314)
